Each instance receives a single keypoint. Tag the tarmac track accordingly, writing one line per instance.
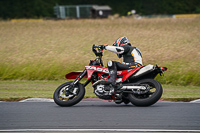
(99, 116)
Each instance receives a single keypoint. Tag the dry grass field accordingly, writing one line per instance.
(47, 50)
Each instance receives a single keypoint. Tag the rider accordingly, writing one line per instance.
(132, 58)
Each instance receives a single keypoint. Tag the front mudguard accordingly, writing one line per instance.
(74, 74)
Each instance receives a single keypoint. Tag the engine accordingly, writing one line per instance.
(104, 91)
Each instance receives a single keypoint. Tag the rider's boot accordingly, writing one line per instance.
(112, 79)
(112, 73)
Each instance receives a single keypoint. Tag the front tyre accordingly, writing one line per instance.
(63, 98)
(149, 98)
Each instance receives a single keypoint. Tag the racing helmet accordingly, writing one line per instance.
(120, 41)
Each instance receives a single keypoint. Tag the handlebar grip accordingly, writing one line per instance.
(95, 46)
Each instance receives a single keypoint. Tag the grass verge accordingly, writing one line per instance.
(46, 50)
(18, 90)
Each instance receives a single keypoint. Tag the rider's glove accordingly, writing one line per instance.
(103, 46)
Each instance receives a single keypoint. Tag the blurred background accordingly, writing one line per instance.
(45, 8)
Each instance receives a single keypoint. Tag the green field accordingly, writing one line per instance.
(47, 50)
(18, 90)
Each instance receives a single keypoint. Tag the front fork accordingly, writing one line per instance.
(78, 78)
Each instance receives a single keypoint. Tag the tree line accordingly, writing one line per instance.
(44, 8)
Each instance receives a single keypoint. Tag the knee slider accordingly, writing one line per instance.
(110, 63)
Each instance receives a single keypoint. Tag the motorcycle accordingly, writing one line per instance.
(134, 85)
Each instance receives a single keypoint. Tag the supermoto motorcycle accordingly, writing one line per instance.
(134, 85)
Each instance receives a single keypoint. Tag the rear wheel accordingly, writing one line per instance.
(150, 97)
(63, 97)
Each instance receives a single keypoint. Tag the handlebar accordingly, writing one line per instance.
(98, 51)
(95, 46)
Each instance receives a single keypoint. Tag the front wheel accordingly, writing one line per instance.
(150, 97)
(63, 97)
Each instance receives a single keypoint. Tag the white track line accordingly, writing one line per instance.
(196, 101)
(95, 130)
(37, 100)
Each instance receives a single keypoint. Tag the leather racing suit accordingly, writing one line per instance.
(132, 56)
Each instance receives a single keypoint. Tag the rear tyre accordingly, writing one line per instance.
(61, 99)
(149, 98)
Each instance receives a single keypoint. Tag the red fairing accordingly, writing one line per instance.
(95, 68)
(73, 75)
(100, 69)
(130, 72)
(90, 71)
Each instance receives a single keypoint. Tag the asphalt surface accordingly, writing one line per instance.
(90, 115)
